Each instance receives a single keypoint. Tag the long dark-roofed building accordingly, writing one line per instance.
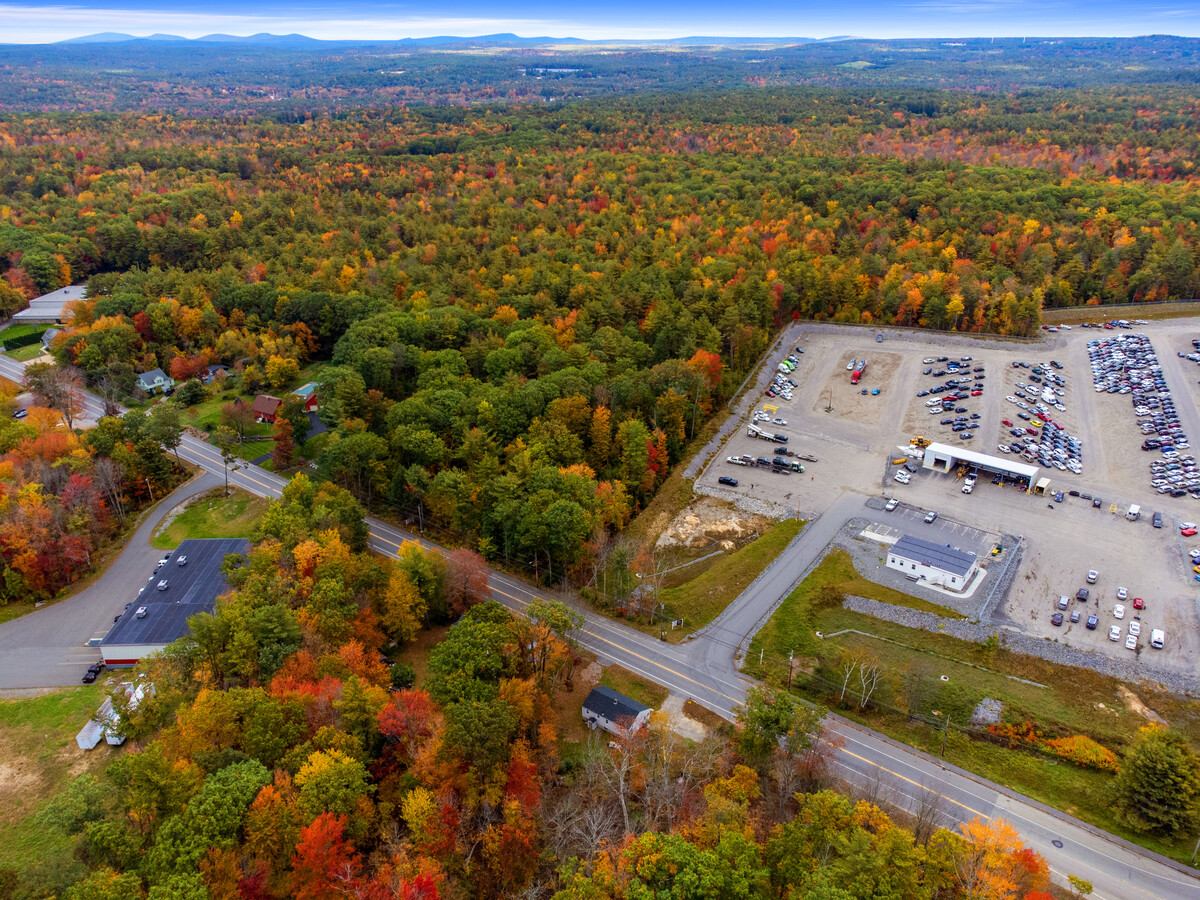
(155, 616)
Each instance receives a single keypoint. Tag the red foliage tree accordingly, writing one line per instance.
(466, 582)
(185, 367)
(408, 719)
(324, 863)
(285, 445)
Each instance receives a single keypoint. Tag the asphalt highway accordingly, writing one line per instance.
(705, 669)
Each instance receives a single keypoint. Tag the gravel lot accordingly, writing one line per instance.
(854, 441)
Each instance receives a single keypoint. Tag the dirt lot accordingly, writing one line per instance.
(849, 403)
(854, 441)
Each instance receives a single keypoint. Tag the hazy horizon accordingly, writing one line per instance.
(31, 23)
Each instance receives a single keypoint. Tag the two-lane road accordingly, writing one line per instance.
(705, 670)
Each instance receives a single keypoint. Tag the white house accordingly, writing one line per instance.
(155, 379)
(937, 564)
(615, 713)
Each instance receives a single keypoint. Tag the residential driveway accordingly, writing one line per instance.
(48, 647)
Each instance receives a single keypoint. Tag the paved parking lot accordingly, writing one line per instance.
(855, 438)
(911, 520)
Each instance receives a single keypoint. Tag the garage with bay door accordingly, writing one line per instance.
(946, 458)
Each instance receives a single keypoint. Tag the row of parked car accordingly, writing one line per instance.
(1127, 364)
(1041, 439)
(1083, 595)
(965, 382)
(781, 385)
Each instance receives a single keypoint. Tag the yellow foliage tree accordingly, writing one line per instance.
(402, 607)
(280, 371)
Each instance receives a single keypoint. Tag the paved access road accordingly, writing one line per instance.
(48, 647)
(705, 670)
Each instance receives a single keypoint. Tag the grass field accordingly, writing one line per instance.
(699, 600)
(1148, 311)
(213, 516)
(633, 686)
(21, 330)
(314, 446)
(25, 354)
(255, 449)
(40, 757)
(1061, 701)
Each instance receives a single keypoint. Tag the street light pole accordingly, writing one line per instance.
(150, 488)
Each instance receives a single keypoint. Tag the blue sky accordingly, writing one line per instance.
(31, 22)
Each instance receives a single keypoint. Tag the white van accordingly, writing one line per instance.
(1157, 638)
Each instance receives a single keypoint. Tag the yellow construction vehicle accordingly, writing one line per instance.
(920, 441)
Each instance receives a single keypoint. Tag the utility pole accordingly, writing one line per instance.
(150, 488)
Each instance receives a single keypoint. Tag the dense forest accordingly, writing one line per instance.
(290, 77)
(517, 316)
(66, 497)
(520, 316)
(279, 757)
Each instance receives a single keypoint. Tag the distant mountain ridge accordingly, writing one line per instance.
(504, 39)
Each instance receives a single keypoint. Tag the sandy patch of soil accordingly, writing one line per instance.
(1135, 704)
(17, 776)
(708, 522)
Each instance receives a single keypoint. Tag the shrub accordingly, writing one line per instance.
(1083, 751)
(1076, 748)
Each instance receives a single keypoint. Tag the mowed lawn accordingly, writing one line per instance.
(634, 686)
(213, 515)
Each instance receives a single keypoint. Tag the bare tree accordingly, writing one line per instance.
(876, 790)
(110, 476)
(617, 766)
(580, 820)
(869, 674)
(847, 667)
(672, 769)
(803, 772)
(928, 810)
(59, 387)
(237, 417)
(110, 392)
(652, 565)
(914, 689)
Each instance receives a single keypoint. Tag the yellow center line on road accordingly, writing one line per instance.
(644, 659)
(914, 783)
(379, 537)
(263, 485)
